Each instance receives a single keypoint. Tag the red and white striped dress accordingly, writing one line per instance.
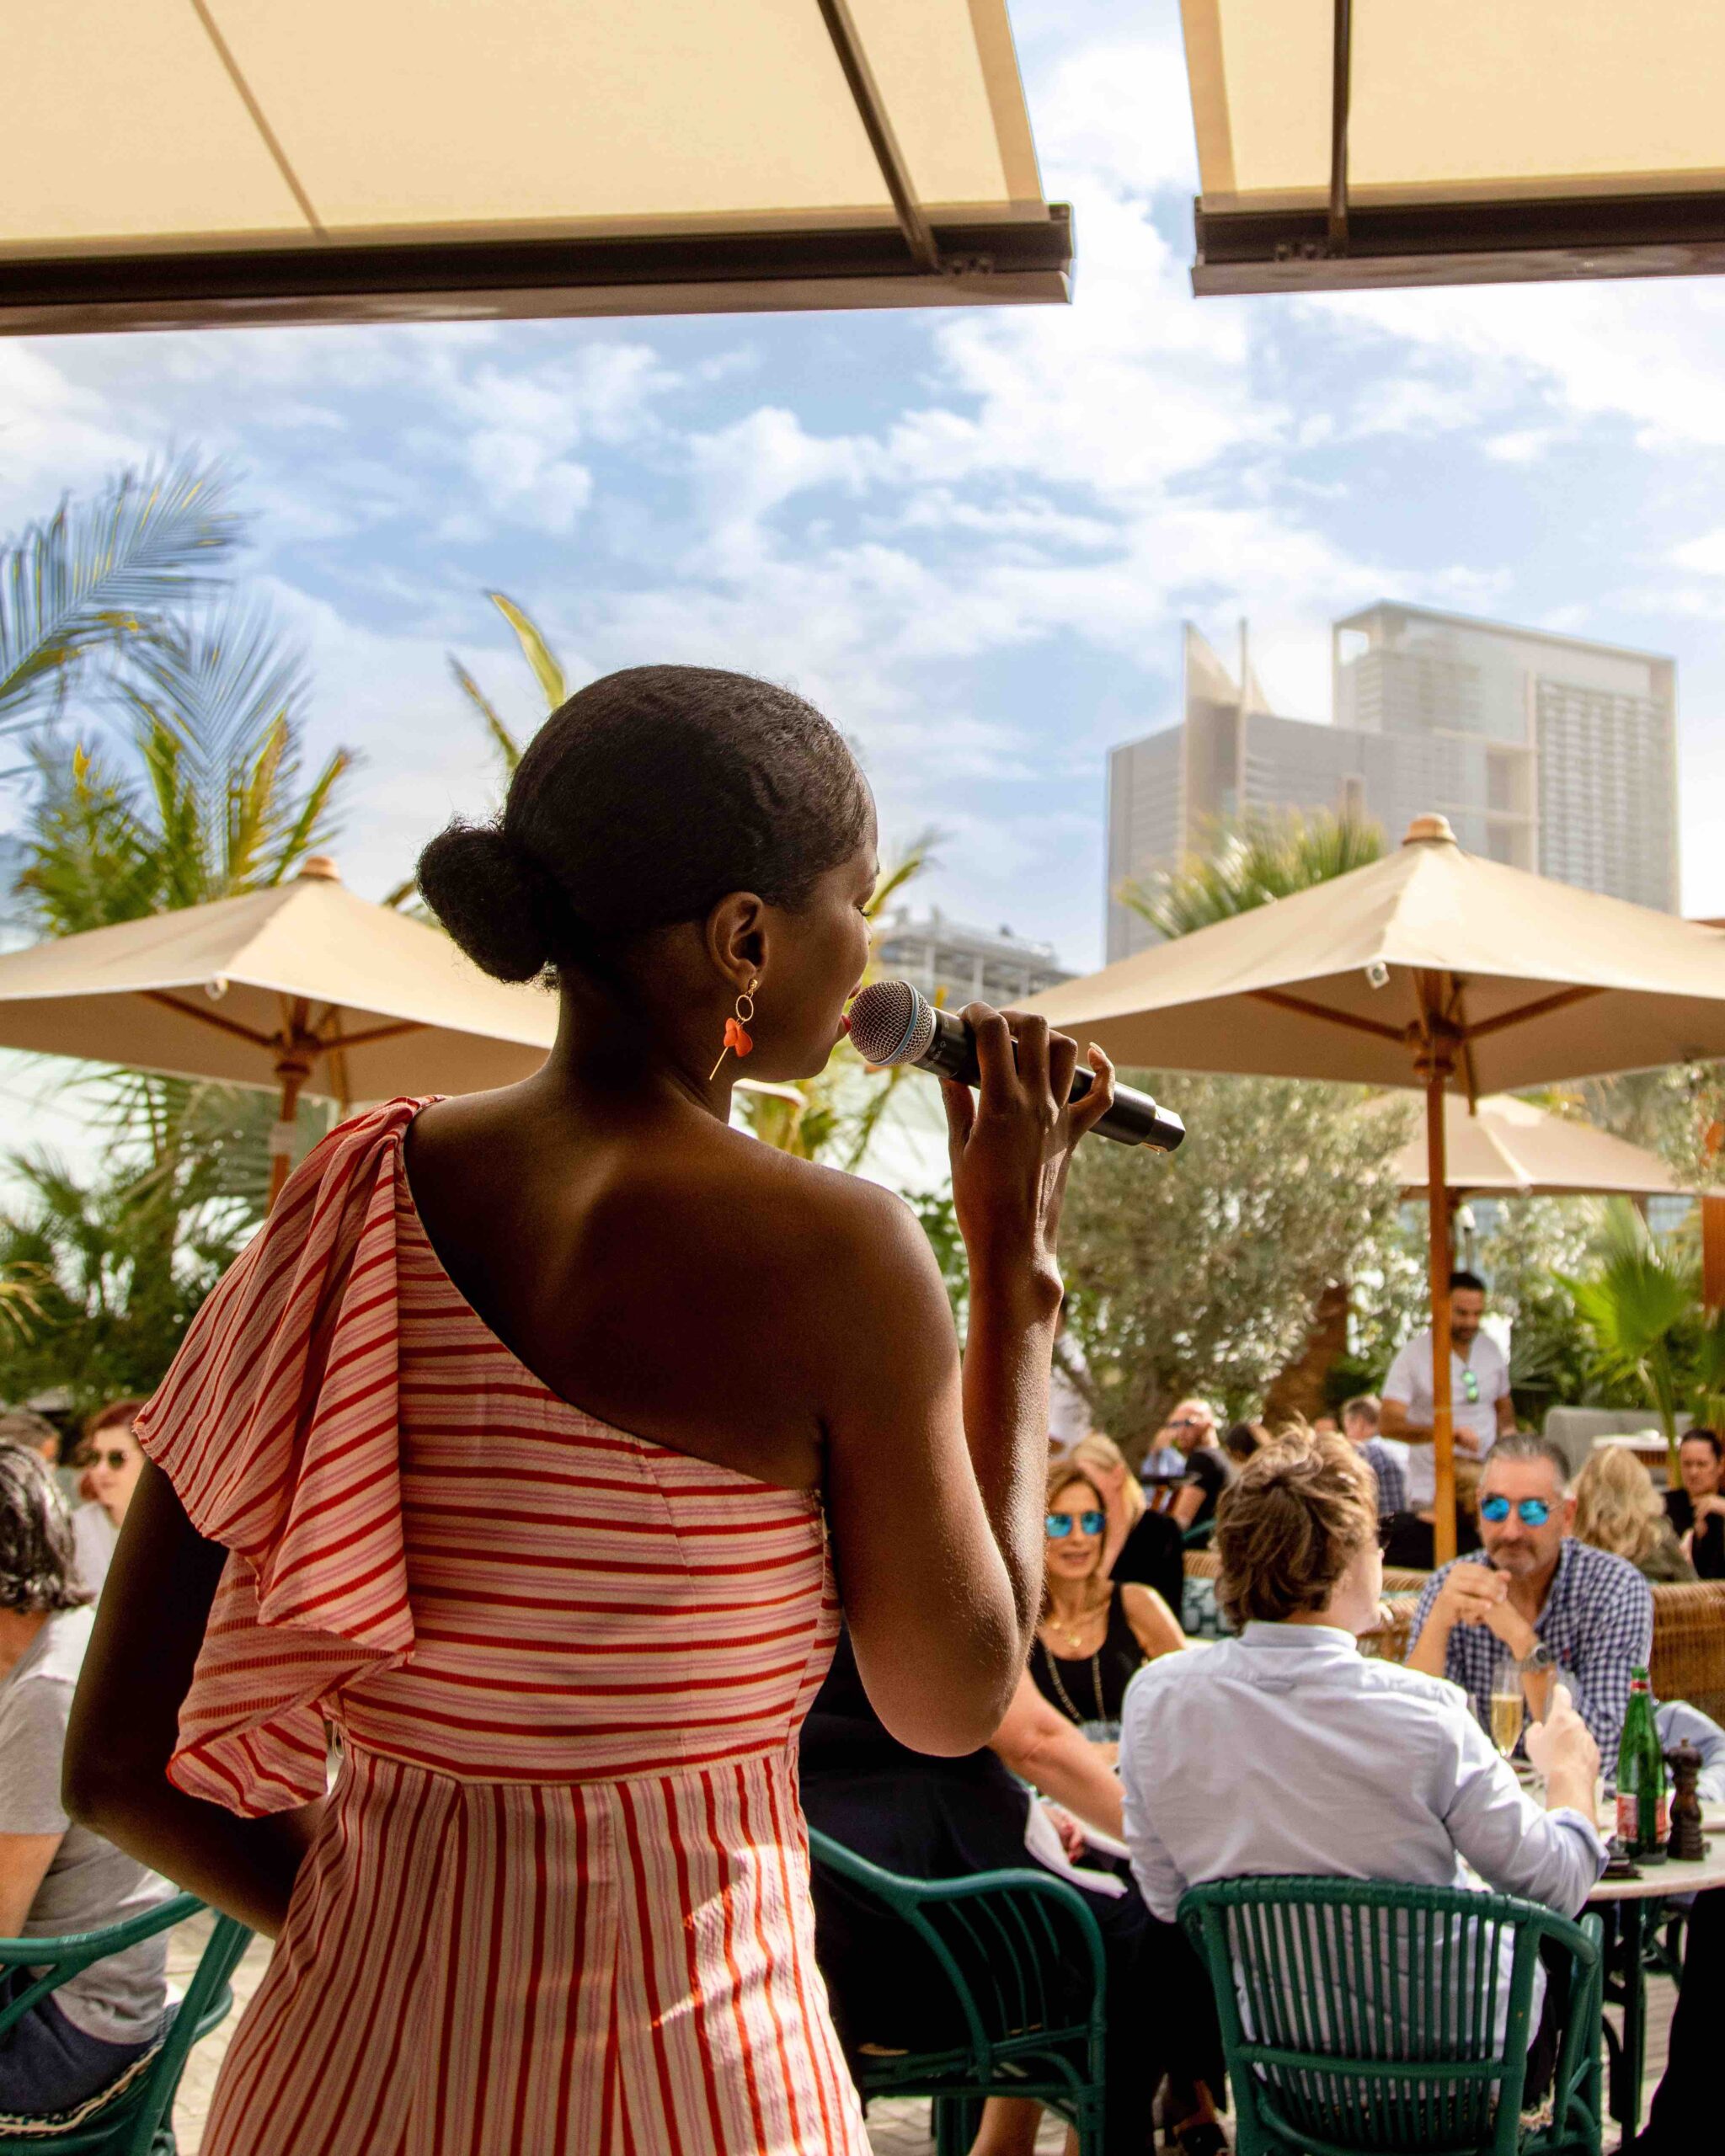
(558, 1901)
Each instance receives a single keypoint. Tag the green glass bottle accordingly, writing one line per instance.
(1642, 1820)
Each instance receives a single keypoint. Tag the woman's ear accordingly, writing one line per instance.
(737, 937)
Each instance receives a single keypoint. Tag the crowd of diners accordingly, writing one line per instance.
(1138, 1763)
(1134, 1761)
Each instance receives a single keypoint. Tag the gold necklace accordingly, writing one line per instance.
(1074, 1634)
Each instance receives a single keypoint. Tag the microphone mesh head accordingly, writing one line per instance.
(890, 1023)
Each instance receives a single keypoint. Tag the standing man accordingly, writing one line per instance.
(1533, 1593)
(1482, 1411)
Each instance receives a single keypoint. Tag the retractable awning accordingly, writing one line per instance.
(172, 163)
(1347, 143)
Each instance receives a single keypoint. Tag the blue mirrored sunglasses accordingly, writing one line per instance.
(1534, 1511)
(1060, 1523)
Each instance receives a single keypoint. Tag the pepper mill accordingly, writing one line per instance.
(1685, 1843)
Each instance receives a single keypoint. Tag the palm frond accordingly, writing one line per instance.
(95, 572)
(546, 668)
(1246, 865)
(508, 748)
(911, 860)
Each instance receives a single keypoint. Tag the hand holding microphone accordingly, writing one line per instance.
(892, 1023)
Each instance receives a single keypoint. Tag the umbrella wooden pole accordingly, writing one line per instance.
(1443, 1425)
(293, 1069)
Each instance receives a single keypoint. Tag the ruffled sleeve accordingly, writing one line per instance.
(277, 1426)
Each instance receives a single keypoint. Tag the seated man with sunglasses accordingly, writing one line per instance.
(1533, 1593)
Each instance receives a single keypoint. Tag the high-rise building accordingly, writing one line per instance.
(967, 965)
(1544, 751)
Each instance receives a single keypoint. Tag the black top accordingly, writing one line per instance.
(1707, 1550)
(1153, 1557)
(1093, 1688)
(1207, 1465)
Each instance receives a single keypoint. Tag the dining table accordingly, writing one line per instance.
(1637, 1908)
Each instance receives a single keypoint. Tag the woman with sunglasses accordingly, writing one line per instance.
(1094, 1635)
(111, 1460)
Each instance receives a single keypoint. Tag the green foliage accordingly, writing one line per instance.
(1202, 1273)
(119, 1264)
(1642, 1307)
(197, 791)
(1534, 1245)
(202, 795)
(547, 672)
(1246, 865)
(96, 575)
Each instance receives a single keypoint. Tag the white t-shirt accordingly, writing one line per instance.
(1410, 1382)
(93, 1536)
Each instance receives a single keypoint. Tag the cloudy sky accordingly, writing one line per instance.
(971, 536)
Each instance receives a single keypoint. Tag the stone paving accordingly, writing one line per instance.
(897, 2129)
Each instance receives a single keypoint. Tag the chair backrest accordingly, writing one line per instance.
(1020, 1949)
(1359, 2015)
(1689, 1644)
(126, 2121)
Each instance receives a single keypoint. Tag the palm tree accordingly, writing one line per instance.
(198, 794)
(96, 575)
(1643, 1309)
(1250, 863)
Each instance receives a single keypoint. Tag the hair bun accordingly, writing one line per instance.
(491, 899)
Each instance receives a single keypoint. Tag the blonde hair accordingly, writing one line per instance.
(1290, 1524)
(1062, 1474)
(1104, 1454)
(1616, 1507)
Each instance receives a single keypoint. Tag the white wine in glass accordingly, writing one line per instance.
(1509, 1710)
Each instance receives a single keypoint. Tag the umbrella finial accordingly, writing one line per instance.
(321, 868)
(1423, 830)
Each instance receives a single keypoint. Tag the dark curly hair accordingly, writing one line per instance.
(643, 801)
(38, 1564)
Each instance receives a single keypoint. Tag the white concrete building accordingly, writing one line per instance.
(1547, 752)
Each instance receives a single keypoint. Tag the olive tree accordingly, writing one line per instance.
(1202, 1273)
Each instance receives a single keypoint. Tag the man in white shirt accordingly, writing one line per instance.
(1480, 1408)
(1286, 1750)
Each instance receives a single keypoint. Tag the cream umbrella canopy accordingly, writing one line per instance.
(304, 985)
(1430, 967)
(1509, 1146)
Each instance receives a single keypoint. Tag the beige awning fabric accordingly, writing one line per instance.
(183, 161)
(1509, 1148)
(1351, 142)
(371, 1003)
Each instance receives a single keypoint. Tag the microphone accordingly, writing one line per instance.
(893, 1022)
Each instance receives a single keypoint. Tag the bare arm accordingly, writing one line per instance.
(1393, 1422)
(934, 1474)
(1188, 1502)
(1044, 1749)
(1506, 1415)
(23, 1865)
(124, 1721)
(1152, 1621)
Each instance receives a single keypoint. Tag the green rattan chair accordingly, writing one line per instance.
(134, 2116)
(1024, 1959)
(1310, 1967)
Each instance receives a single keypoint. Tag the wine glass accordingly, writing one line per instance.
(1508, 1706)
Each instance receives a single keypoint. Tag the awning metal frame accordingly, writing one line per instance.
(1022, 259)
(1349, 245)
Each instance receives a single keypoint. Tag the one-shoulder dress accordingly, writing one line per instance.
(559, 1900)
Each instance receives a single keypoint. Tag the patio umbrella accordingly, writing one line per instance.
(305, 986)
(1430, 967)
(1508, 1146)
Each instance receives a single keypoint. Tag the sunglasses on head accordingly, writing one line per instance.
(1535, 1512)
(1059, 1524)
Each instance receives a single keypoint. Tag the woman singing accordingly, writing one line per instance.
(533, 1445)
